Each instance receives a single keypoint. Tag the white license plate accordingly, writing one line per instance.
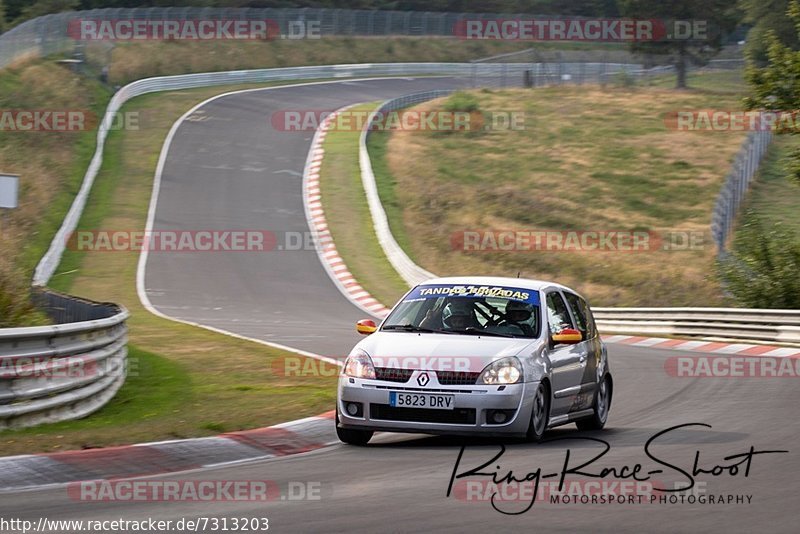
(399, 399)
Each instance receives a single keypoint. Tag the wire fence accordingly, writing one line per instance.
(543, 74)
(48, 35)
(535, 67)
(745, 164)
(559, 67)
(736, 185)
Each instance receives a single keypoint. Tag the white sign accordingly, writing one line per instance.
(9, 190)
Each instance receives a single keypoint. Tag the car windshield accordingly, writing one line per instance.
(467, 309)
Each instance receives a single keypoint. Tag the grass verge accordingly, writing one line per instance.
(50, 163)
(774, 198)
(587, 159)
(348, 216)
(184, 381)
(131, 61)
(715, 81)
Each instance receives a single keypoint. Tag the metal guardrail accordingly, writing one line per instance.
(76, 398)
(51, 259)
(64, 371)
(482, 74)
(71, 369)
(49, 262)
(775, 326)
(409, 271)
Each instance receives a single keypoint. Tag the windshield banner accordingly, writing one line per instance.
(529, 296)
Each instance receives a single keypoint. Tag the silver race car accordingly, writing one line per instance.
(477, 356)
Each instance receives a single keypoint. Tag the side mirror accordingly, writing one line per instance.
(568, 336)
(366, 327)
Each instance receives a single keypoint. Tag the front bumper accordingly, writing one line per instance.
(470, 416)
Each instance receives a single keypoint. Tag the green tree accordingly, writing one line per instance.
(765, 16)
(20, 12)
(16, 307)
(764, 271)
(719, 17)
(776, 86)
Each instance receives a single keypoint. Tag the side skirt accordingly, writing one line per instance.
(570, 417)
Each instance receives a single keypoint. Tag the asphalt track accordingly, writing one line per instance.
(228, 168)
(399, 482)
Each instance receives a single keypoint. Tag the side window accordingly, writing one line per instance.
(590, 324)
(557, 314)
(583, 315)
(578, 312)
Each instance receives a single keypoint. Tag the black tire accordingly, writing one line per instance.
(540, 414)
(352, 436)
(602, 405)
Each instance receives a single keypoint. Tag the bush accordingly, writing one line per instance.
(16, 308)
(792, 167)
(624, 79)
(764, 272)
(461, 101)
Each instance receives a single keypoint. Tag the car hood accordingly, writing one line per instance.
(439, 352)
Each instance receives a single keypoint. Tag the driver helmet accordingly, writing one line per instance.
(458, 313)
(518, 311)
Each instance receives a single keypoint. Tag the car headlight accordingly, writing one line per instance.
(359, 365)
(503, 371)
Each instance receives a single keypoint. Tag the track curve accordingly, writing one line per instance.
(399, 482)
(228, 168)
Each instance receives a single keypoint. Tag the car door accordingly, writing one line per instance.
(590, 347)
(566, 360)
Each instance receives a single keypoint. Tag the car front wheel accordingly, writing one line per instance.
(602, 403)
(352, 436)
(540, 413)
